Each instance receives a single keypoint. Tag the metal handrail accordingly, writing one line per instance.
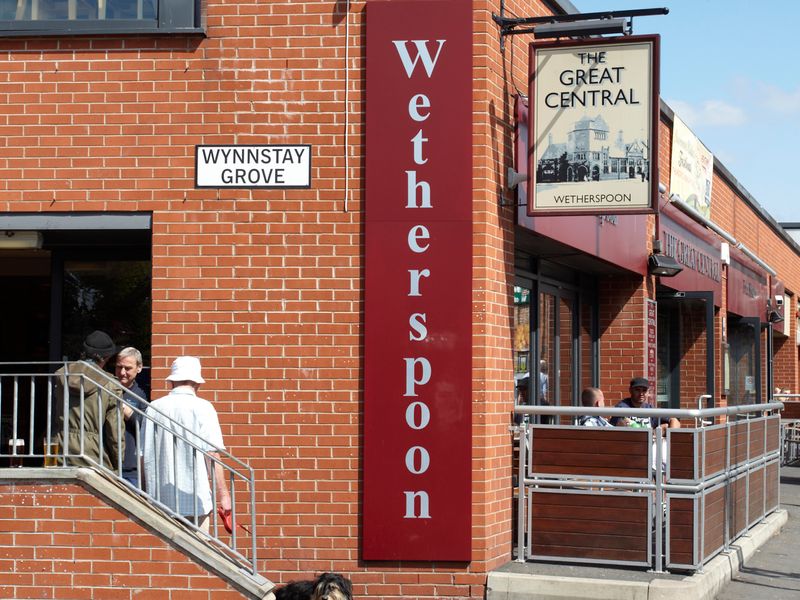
(678, 413)
(42, 382)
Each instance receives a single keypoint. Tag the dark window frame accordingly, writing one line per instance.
(539, 276)
(174, 17)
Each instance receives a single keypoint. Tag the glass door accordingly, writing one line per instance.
(555, 348)
(745, 363)
(521, 345)
(557, 366)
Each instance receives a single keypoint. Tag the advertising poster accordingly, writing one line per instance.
(594, 122)
(692, 169)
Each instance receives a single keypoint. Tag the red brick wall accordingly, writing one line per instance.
(734, 212)
(496, 80)
(265, 286)
(785, 349)
(622, 334)
(58, 541)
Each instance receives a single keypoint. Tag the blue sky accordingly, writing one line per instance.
(730, 69)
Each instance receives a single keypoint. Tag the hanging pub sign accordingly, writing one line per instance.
(594, 126)
(604, 236)
(417, 438)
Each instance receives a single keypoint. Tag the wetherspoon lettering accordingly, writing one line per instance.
(417, 451)
(418, 369)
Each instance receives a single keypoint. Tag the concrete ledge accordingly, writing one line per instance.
(705, 585)
(192, 545)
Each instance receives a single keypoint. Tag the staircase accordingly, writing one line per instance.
(27, 426)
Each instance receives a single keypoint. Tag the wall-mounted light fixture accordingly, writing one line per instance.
(663, 265)
(514, 179)
(19, 240)
(773, 316)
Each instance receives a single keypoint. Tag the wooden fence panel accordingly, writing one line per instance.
(773, 434)
(715, 450)
(583, 525)
(591, 452)
(682, 450)
(738, 442)
(791, 409)
(681, 530)
(714, 521)
(757, 442)
(772, 475)
(737, 513)
(756, 496)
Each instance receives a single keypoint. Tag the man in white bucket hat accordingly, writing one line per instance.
(177, 475)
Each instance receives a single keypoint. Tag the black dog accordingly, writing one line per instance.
(328, 586)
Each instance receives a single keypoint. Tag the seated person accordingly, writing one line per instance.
(638, 399)
(638, 388)
(593, 397)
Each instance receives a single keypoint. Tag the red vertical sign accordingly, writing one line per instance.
(417, 341)
(652, 342)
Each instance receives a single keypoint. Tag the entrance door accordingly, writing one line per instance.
(685, 349)
(557, 372)
(744, 339)
(555, 342)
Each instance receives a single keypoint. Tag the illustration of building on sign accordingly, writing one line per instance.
(588, 155)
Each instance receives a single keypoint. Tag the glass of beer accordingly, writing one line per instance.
(52, 450)
(16, 448)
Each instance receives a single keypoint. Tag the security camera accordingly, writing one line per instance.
(778, 300)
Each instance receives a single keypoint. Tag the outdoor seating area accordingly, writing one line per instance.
(593, 495)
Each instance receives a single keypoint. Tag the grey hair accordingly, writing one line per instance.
(131, 351)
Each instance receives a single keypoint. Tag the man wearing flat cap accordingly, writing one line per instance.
(176, 473)
(638, 399)
(92, 406)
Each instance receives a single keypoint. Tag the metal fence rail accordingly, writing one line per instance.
(34, 423)
(628, 496)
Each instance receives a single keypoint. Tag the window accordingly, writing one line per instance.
(48, 17)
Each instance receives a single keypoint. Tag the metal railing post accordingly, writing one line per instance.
(728, 483)
(657, 434)
(521, 493)
(748, 466)
(252, 518)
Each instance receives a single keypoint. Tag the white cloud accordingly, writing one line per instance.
(711, 113)
(774, 98)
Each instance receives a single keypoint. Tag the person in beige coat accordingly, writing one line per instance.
(102, 415)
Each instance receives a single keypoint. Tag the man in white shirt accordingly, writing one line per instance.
(176, 473)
